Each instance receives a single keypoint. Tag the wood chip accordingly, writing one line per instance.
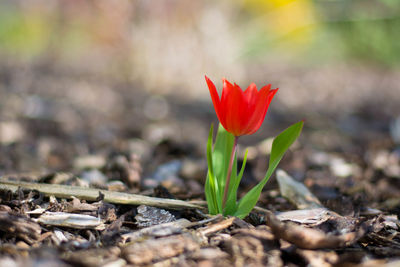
(308, 238)
(153, 250)
(77, 221)
(216, 227)
(149, 216)
(296, 192)
(160, 230)
(22, 227)
(307, 216)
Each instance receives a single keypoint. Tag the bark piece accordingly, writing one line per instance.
(208, 230)
(93, 257)
(19, 226)
(297, 193)
(149, 216)
(160, 230)
(319, 258)
(252, 247)
(154, 250)
(307, 216)
(72, 220)
(308, 238)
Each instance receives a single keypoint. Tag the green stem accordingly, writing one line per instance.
(228, 176)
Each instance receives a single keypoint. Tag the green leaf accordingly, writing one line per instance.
(280, 145)
(231, 204)
(210, 196)
(220, 159)
(211, 186)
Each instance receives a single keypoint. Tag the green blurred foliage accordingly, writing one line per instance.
(345, 30)
(306, 30)
(368, 30)
(22, 34)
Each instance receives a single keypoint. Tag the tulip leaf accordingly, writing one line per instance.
(220, 159)
(211, 186)
(231, 204)
(279, 146)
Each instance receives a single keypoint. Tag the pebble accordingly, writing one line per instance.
(10, 132)
(117, 186)
(165, 174)
(341, 168)
(94, 176)
(89, 162)
(395, 130)
(194, 169)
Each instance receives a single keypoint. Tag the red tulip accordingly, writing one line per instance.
(241, 112)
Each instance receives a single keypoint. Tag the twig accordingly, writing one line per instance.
(217, 226)
(92, 194)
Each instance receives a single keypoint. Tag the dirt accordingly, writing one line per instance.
(60, 127)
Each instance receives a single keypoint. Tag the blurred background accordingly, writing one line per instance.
(83, 81)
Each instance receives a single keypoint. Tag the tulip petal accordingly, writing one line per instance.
(250, 94)
(255, 110)
(234, 97)
(261, 108)
(215, 97)
(223, 108)
(241, 112)
(226, 91)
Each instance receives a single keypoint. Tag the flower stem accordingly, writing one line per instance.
(228, 176)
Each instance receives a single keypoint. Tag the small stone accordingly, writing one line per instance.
(395, 130)
(174, 185)
(265, 146)
(89, 162)
(167, 170)
(341, 168)
(94, 176)
(10, 132)
(166, 175)
(117, 186)
(192, 169)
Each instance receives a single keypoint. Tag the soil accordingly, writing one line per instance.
(63, 127)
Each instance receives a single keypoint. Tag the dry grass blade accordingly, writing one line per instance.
(91, 194)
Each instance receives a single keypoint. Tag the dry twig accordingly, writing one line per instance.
(92, 194)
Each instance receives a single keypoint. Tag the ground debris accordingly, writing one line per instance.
(164, 229)
(257, 247)
(307, 216)
(148, 216)
(309, 238)
(154, 250)
(77, 221)
(296, 192)
(19, 226)
(70, 165)
(94, 257)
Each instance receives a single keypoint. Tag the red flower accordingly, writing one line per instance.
(241, 112)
